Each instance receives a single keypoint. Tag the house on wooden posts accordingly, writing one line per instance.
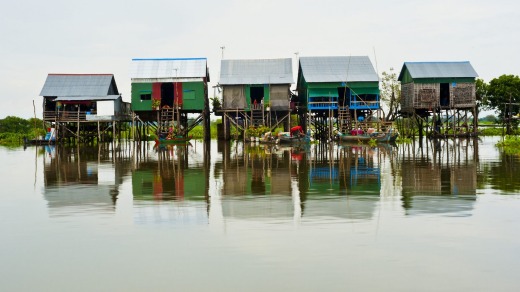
(440, 89)
(165, 91)
(342, 87)
(72, 101)
(256, 92)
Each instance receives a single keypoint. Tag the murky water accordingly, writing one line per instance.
(234, 217)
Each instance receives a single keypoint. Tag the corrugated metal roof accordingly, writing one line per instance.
(439, 70)
(338, 69)
(168, 68)
(82, 98)
(77, 85)
(259, 71)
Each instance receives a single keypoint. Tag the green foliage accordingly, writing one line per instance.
(198, 131)
(501, 90)
(490, 119)
(216, 103)
(391, 93)
(15, 125)
(253, 131)
(372, 142)
(403, 140)
(14, 129)
(511, 144)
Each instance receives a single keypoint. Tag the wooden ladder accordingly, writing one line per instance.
(166, 121)
(344, 119)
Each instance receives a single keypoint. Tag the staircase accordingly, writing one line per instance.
(344, 119)
(257, 115)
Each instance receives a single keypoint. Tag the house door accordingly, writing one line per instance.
(257, 95)
(445, 94)
(167, 94)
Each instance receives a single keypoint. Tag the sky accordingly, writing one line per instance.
(102, 36)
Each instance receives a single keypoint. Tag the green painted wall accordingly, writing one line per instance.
(444, 80)
(407, 78)
(193, 96)
(356, 87)
(137, 103)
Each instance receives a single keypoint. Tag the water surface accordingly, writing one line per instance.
(431, 216)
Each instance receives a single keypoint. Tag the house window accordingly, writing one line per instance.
(146, 96)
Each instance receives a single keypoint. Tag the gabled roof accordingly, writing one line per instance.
(438, 70)
(168, 68)
(85, 85)
(338, 69)
(259, 71)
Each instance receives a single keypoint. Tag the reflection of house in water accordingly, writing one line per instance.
(439, 181)
(170, 177)
(355, 171)
(80, 179)
(171, 189)
(258, 170)
(295, 184)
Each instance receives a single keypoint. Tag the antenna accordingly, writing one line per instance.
(222, 48)
(375, 59)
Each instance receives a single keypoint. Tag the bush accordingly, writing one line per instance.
(511, 144)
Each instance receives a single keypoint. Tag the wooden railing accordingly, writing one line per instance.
(75, 116)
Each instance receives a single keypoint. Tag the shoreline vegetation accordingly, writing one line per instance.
(13, 130)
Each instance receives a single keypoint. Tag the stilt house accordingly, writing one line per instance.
(443, 90)
(258, 91)
(342, 88)
(428, 86)
(328, 82)
(83, 97)
(166, 90)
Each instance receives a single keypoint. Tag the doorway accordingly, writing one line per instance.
(344, 96)
(167, 94)
(445, 94)
(256, 94)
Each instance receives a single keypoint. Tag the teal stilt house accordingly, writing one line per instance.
(442, 90)
(166, 90)
(344, 87)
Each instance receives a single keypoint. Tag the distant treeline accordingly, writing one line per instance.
(14, 129)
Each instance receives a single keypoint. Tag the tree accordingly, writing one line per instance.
(391, 94)
(500, 91)
(13, 124)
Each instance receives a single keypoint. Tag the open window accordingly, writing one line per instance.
(145, 95)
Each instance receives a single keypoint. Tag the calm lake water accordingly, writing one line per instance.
(232, 217)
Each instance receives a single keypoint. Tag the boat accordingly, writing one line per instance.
(381, 137)
(286, 138)
(268, 138)
(49, 139)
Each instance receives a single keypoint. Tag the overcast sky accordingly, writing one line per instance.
(102, 36)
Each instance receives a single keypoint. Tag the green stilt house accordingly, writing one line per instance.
(339, 87)
(166, 90)
(444, 91)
